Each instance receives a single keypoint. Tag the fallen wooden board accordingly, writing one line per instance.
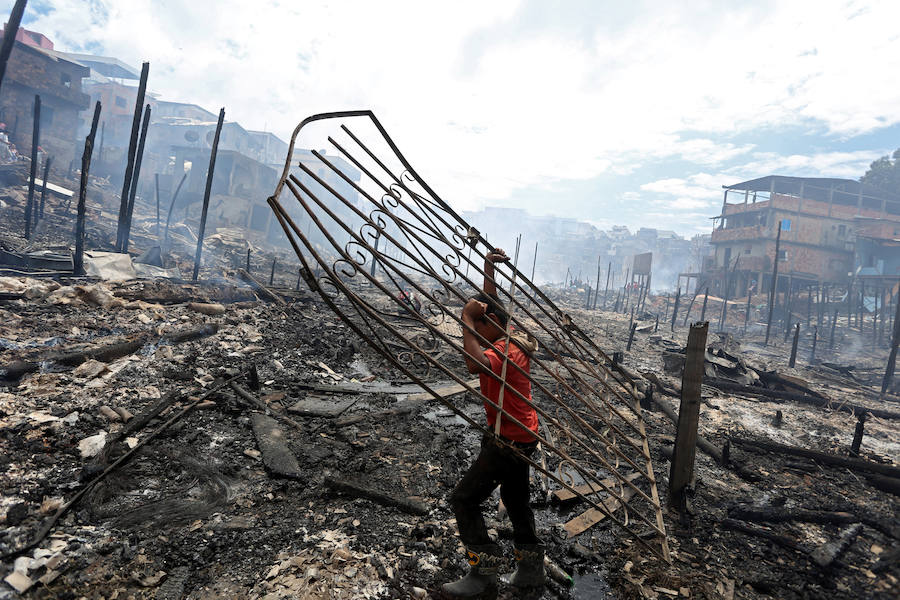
(592, 516)
(584, 490)
(318, 407)
(53, 188)
(276, 455)
(444, 391)
(855, 464)
(408, 505)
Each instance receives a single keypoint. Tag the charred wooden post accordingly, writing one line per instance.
(892, 358)
(272, 272)
(728, 279)
(135, 176)
(858, 434)
(631, 331)
(705, 301)
(774, 285)
(156, 188)
(247, 268)
(833, 326)
(172, 206)
(209, 180)
(681, 473)
(299, 277)
(605, 293)
(656, 327)
(78, 260)
(596, 287)
(690, 307)
(675, 308)
(860, 306)
(747, 313)
(12, 27)
(849, 304)
(826, 554)
(812, 354)
(793, 361)
(44, 185)
(35, 140)
(132, 148)
(808, 306)
(789, 306)
(100, 148)
(820, 304)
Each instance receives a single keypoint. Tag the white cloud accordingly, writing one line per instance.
(527, 105)
(849, 165)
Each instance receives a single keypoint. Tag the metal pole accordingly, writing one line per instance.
(135, 176)
(132, 148)
(774, 284)
(35, 140)
(681, 472)
(9, 35)
(209, 181)
(78, 261)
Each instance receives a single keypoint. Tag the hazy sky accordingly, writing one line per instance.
(630, 113)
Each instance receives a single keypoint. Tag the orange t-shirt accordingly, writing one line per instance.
(512, 404)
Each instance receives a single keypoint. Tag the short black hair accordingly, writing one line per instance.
(494, 307)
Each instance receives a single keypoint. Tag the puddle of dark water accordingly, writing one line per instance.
(591, 586)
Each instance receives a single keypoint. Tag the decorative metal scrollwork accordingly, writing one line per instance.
(399, 263)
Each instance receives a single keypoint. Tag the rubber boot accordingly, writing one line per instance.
(480, 583)
(529, 571)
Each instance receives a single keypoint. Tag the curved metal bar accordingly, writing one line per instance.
(426, 244)
(584, 473)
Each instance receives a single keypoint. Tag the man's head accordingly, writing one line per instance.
(493, 324)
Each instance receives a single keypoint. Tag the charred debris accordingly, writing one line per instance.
(283, 426)
(288, 423)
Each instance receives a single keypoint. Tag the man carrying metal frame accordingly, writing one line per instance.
(500, 460)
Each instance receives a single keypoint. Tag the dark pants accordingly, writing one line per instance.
(495, 465)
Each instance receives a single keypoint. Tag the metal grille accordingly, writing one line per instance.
(369, 232)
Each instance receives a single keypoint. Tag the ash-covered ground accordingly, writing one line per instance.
(201, 509)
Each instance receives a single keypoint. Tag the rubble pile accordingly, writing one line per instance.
(231, 437)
